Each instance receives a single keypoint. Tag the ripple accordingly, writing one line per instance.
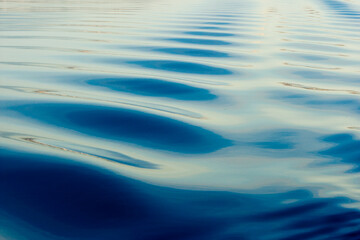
(65, 196)
(181, 67)
(301, 86)
(327, 76)
(292, 211)
(123, 102)
(326, 103)
(70, 200)
(199, 41)
(217, 23)
(210, 34)
(154, 87)
(160, 120)
(132, 126)
(191, 52)
(343, 9)
(345, 148)
(85, 151)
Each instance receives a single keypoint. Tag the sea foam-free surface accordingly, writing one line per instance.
(179, 119)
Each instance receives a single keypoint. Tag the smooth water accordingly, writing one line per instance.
(179, 119)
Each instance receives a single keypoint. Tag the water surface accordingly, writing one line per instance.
(200, 119)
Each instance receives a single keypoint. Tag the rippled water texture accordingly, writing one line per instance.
(179, 119)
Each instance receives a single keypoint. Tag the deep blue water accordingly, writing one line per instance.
(189, 120)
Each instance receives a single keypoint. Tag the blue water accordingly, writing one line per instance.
(179, 119)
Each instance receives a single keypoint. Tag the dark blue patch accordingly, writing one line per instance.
(328, 220)
(191, 52)
(338, 138)
(132, 126)
(209, 34)
(274, 145)
(352, 235)
(345, 149)
(67, 199)
(343, 9)
(217, 23)
(292, 211)
(210, 28)
(72, 200)
(154, 87)
(75, 201)
(313, 234)
(181, 67)
(199, 41)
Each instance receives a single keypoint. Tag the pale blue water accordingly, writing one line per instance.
(202, 119)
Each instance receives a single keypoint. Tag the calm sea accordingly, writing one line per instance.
(179, 119)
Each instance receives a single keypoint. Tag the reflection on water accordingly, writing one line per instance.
(148, 130)
(154, 87)
(191, 52)
(181, 67)
(198, 119)
(199, 41)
